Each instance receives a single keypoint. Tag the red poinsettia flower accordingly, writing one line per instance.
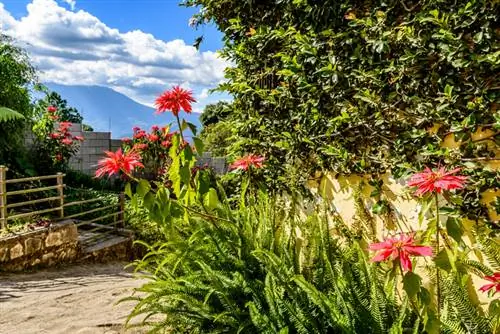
(166, 143)
(140, 147)
(430, 181)
(51, 109)
(140, 134)
(153, 137)
(399, 248)
(55, 135)
(136, 128)
(175, 100)
(64, 126)
(118, 161)
(155, 128)
(495, 279)
(245, 162)
(79, 138)
(126, 140)
(67, 141)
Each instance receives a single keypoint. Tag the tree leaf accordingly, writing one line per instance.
(411, 284)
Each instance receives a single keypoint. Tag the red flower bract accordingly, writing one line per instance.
(51, 109)
(430, 181)
(79, 138)
(399, 248)
(118, 161)
(67, 141)
(245, 162)
(153, 137)
(495, 278)
(175, 100)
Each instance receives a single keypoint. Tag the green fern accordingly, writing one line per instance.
(7, 114)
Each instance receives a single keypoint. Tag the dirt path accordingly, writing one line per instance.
(77, 299)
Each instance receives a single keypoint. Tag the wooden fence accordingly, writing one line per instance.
(100, 215)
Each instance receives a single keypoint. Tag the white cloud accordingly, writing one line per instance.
(71, 3)
(76, 48)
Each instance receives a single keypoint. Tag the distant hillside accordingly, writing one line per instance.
(105, 109)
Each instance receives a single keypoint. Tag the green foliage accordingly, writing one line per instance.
(218, 138)
(16, 73)
(65, 112)
(261, 269)
(215, 113)
(356, 87)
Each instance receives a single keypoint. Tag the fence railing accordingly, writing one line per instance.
(106, 216)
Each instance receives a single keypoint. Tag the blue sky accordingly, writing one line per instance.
(137, 47)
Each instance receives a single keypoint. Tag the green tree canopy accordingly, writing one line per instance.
(215, 112)
(357, 86)
(16, 74)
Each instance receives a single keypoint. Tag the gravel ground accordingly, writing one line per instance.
(79, 299)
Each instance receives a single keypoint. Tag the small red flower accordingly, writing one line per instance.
(140, 134)
(79, 138)
(166, 143)
(126, 140)
(118, 161)
(175, 100)
(64, 126)
(155, 128)
(399, 248)
(140, 147)
(136, 129)
(55, 135)
(495, 278)
(67, 141)
(430, 181)
(153, 138)
(245, 162)
(59, 157)
(51, 109)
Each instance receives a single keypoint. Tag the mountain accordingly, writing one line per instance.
(107, 110)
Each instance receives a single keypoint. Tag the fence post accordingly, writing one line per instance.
(60, 192)
(122, 210)
(3, 197)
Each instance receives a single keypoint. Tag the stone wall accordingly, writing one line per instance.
(44, 247)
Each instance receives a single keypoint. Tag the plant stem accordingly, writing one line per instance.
(438, 279)
(180, 128)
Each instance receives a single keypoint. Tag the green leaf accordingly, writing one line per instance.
(454, 229)
(149, 201)
(192, 127)
(411, 284)
(7, 114)
(143, 188)
(442, 261)
(128, 190)
(198, 144)
(211, 199)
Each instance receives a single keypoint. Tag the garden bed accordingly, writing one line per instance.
(44, 246)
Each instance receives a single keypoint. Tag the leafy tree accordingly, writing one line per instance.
(364, 87)
(217, 138)
(214, 113)
(217, 128)
(65, 112)
(16, 74)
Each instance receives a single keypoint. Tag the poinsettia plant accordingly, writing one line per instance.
(55, 139)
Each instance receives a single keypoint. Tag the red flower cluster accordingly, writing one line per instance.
(51, 109)
(399, 248)
(175, 100)
(495, 279)
(251, 160)
(63, 135)
(430, 181)
(119, 161)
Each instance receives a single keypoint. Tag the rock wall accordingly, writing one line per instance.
(44, 247)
